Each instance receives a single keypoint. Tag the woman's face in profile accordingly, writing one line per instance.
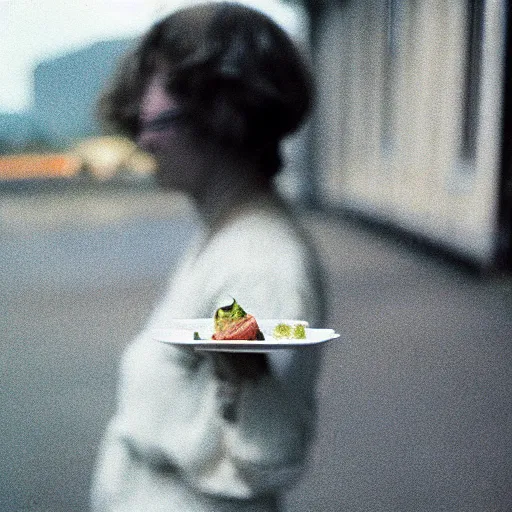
(178, 153)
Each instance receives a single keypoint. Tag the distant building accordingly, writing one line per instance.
(16, 130)
(66, 89)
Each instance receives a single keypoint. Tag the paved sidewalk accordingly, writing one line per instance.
(415, 399)
(57, 209)
(416, 402)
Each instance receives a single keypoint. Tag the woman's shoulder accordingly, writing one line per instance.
(267, 250)
(273, 229)
(262, 258)
(260, 244)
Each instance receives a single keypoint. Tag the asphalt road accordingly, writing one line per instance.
(415, 399)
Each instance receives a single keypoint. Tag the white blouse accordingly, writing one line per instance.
(169, 447)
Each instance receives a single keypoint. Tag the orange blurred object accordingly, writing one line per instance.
(30, 166)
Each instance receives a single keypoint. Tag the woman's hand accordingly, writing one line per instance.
(232, 369)
(235, 367)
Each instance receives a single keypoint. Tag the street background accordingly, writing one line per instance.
(414, 398)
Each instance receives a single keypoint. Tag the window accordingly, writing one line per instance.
(471, 94)
(393, 19)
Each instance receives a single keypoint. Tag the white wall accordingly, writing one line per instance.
(389, 141)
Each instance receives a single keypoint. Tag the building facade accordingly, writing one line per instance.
(410, 120)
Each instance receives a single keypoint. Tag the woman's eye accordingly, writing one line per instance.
(163, 121)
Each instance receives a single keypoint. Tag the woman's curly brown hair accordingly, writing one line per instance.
(240, 79)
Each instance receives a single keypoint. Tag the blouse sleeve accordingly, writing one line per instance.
(275, 414)
(170, 404)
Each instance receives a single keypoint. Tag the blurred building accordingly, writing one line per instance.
(413, 126)
(66, 89)
(16, 130)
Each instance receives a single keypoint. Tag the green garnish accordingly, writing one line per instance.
(299, 332)
(227, 314)
(286, 331)
(282, 331)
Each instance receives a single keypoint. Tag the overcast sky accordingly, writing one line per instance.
(34, 30)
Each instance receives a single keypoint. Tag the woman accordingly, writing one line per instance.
(211, 91)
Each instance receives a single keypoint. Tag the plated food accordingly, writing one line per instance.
(232, 329)
(233, 323)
